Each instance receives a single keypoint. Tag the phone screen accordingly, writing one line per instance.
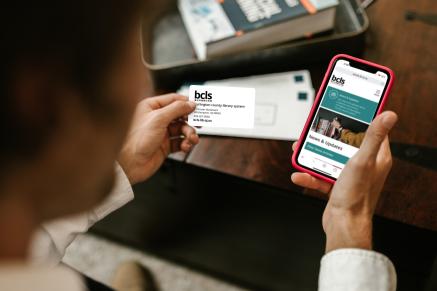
(349, 103)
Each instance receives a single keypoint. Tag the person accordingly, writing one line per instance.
(72, 82)
(346, 135)
(72, 79)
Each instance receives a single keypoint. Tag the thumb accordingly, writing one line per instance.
(175, 110)
(376, 133)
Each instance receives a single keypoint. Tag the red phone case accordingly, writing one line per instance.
(316, 102)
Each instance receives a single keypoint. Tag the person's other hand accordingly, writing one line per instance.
(347, 219)
(158, 129)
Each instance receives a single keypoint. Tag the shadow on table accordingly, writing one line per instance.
(254, 236)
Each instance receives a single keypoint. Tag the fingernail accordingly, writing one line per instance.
(389, 120)
(192, 104)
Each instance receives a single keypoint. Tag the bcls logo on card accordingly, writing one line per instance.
(205, 96)
(339, 81)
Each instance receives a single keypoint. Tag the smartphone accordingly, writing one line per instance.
(352, 94)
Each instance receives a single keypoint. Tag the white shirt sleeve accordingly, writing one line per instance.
(52, 239)
(356, 269)
(16, 276)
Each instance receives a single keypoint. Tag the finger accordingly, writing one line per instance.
(186, 146)
(384, 153)
(187, 130)
(182, 137)
(181, 128)
(164, 100)
(376, 133)
(194, 139)
(191, 138)
(175, 110)
(307, 181)
(294, 146)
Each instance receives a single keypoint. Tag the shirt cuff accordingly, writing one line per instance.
(121, 194)
(53, 238)
(356, 269)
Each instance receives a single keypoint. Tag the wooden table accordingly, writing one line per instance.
(410, 49)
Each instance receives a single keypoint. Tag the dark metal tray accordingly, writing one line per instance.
(170, 56)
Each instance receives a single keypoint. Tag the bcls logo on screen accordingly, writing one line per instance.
(339, 81)
(205, 96)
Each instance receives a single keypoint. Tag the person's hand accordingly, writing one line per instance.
(347, 219)
(158, 129)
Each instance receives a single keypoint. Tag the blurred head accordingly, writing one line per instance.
(71, 75)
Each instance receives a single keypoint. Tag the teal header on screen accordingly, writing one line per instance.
(349, 104)
(326, 153)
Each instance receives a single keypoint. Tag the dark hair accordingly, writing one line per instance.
(81, 37)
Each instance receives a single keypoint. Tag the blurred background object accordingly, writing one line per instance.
(170, 56)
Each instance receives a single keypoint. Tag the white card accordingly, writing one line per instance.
(231, 107)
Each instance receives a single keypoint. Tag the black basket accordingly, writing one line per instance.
(172, 62)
